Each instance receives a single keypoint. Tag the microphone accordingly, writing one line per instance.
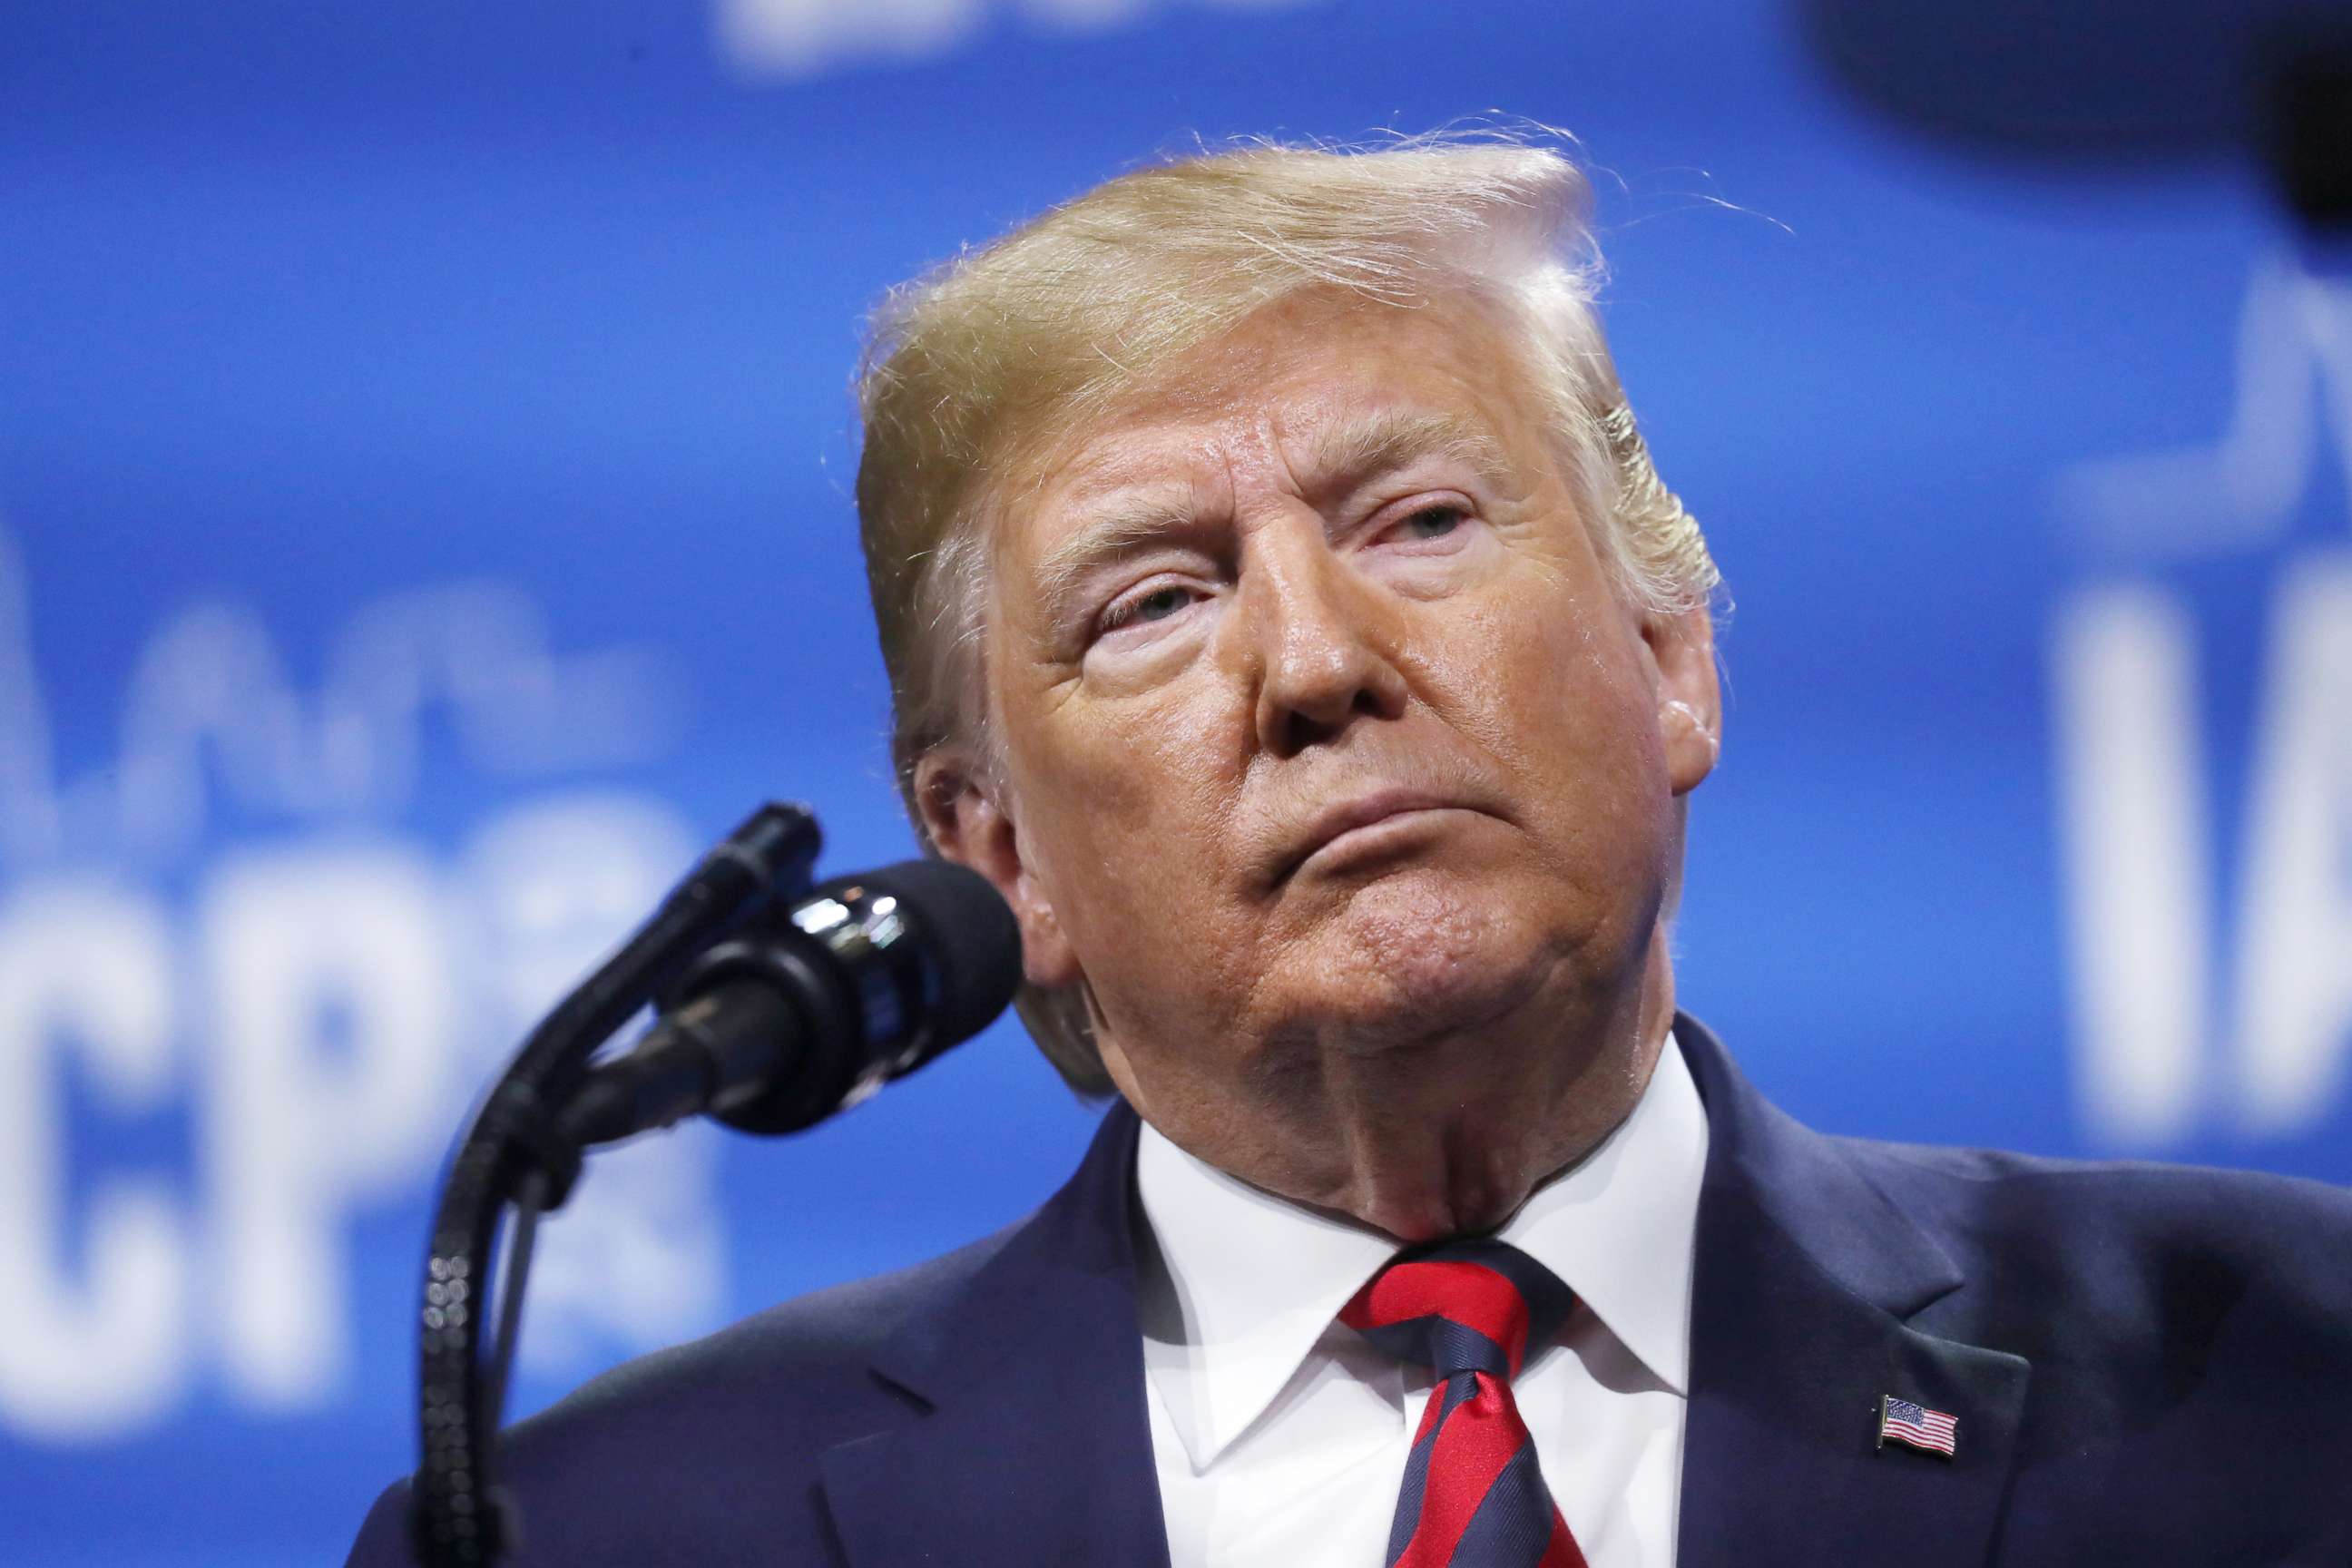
(863, 981)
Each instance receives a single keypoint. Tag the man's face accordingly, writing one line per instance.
(1321, 726)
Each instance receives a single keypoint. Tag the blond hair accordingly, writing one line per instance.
(1010, 345)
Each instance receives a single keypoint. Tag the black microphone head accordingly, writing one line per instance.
(876, 972)
(967, 930)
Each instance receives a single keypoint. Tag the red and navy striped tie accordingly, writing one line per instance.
(1472, 1495)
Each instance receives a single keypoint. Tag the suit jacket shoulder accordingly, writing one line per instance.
(629, 1468)
(2107, 1253)
(2190, 1336)
(2147, 1364)
(928, 1415)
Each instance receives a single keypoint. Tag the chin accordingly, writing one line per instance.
(1412, 955)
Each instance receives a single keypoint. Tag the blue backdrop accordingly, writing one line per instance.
(424, 454)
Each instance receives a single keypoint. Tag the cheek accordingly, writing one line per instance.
(1558, 694)
(1110, 788)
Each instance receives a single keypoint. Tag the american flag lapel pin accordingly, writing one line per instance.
(1916, 1426)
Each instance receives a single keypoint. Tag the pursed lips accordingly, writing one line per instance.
(1337, 820)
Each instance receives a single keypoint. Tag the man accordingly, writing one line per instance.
(1283, 612)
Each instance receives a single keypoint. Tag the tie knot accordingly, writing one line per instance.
(1461, 1306)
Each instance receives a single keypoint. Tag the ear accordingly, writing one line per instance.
(970, 828)
(1690, 703)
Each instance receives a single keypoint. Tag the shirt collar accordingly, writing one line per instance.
(1240, 1285)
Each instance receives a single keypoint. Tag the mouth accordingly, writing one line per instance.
(1370, 825)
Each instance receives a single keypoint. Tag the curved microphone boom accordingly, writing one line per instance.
(772, 1016)
(863, 981)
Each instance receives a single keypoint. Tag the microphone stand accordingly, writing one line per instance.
(513, 1153)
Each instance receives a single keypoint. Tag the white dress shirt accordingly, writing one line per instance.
(1281, 1435)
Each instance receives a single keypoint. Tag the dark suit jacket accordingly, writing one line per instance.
(2149, 1365)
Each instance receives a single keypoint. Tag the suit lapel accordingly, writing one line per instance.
(1806, 1276)
(1037, 1444)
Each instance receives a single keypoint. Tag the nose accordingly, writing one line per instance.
(1325, 647)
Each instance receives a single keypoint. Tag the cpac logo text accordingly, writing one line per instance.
(2180, 1031)
(238, 933)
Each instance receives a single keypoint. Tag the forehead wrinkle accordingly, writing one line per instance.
(1117, 528)
(1358, 446)
(1350, 448)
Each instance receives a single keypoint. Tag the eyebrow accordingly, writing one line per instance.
(1109, 533)
(1364, 446)
(1348, 452)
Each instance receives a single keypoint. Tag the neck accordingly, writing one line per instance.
(1443, 1135)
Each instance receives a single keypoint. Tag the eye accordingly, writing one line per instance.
(1432, 522)
(1156, 604)
(1429, 523)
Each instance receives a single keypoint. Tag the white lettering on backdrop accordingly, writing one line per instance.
(806, 38)
(310, 1008)
(2169, 1021)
